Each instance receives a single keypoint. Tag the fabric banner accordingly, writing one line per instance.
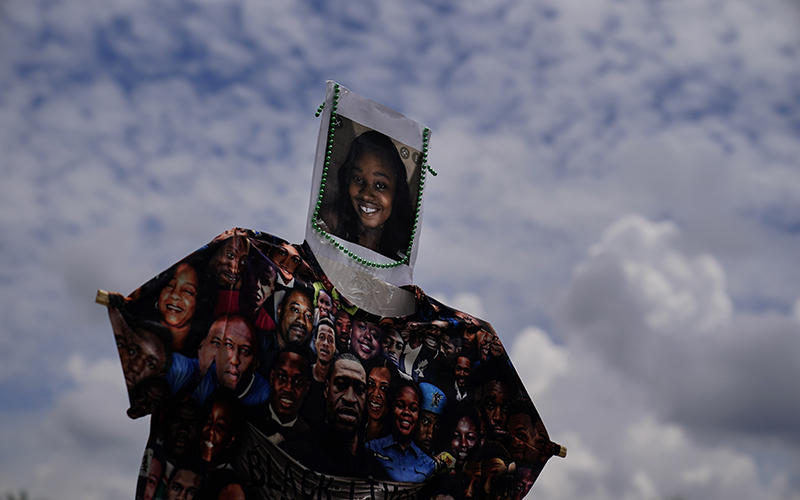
(274, 474)
(267, 379)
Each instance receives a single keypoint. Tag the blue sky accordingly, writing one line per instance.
(617, 194)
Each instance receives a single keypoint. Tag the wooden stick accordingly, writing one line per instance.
(102, 298)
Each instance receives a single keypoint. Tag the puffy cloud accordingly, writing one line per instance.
(662, 316)
(83, 446)
(539, 360)
(660, 390)
(670, 290)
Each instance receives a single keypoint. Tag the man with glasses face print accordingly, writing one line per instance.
(334, 447)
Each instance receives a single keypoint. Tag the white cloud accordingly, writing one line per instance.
(669, 407)
(85, 447)
(673, 291)
(538, 360)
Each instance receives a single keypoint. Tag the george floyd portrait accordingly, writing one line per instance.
(370, 195)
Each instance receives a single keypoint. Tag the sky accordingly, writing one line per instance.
(618, 194)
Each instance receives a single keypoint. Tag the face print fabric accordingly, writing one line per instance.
(264, 381)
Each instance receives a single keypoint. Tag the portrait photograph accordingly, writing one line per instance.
(371, 191)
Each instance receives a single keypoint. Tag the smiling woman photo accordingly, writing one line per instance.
(373, 204)
(177, 301)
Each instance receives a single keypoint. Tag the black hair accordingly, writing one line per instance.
(396, 231)
(524, 406)
(194, 465)
(299, 350)
(324, 321)
(343, 357)
(464, 354)
(301, 289)
(259, 265)
(228, 397)
(382, 362)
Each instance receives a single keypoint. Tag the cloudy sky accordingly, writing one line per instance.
(618, 194)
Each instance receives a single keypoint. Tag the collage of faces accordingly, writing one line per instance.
(247, 335)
